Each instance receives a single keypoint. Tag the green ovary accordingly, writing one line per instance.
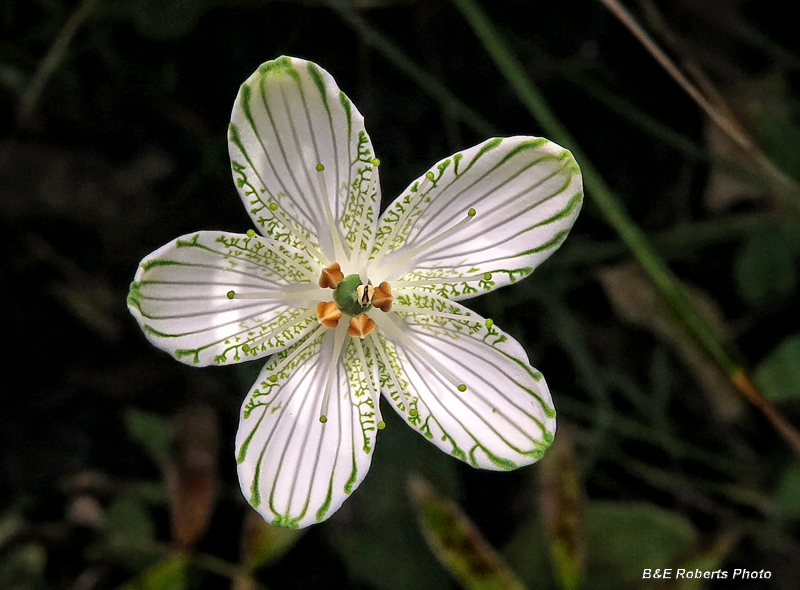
(346, 296)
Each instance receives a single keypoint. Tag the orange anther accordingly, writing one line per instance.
(382, 299)
(328, 314)
(331, 276)
(360, 326)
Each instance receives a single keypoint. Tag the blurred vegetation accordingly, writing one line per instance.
(116, 463)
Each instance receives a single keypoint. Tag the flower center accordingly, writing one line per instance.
(352, 296)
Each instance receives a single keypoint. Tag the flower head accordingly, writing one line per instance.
(352, 305)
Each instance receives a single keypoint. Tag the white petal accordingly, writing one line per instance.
(526, 192)
(289, 117)
(179, 297)
(503, 420)
(293, 469)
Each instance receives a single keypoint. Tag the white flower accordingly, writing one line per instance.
(352, 305)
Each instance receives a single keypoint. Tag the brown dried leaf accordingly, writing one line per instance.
(191, 473)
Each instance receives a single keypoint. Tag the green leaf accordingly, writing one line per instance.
(458, 544)
(151, 431)
(527, 554)
(705, 562)
(778, 376)
(128, 521)
(168, 574)
(765, 270)
(624, 538)
(264, 543)
(23, 568)
(128, 517)
(784, 500)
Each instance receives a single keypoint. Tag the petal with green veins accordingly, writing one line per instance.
(294, 469)
(288, 118)
(525, 193)
(469, 387)
(181, 297)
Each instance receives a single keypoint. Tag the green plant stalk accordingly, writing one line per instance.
(603, 196)
(54, 57)
(615, 213)
(452, 105)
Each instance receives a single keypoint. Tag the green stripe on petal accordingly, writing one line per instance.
(294, 469)
(288, 118)
(181, 297)
(525, 192)
(465, 386)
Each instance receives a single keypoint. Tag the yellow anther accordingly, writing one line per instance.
(462, 387)
(472, 212)
(251, 233)
(382, 299)
(331, 276)
(328, 314)
(230, 294)
(360, 326)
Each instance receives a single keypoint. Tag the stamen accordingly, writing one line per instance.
(392, 268)
(415, 201)
(361, 326)
(486, 276)
(340, 250)
(374, 382)
(437, 314)
(306, 343)
(338, 344)
(331, 275)
(270, 335)
(382, 298)
(376, 345)
(426, 181)
(328, 314)
(297, 232)
(395, 333)
(290, 295)
(278, 252)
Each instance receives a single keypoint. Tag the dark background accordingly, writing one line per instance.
(112, 454)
